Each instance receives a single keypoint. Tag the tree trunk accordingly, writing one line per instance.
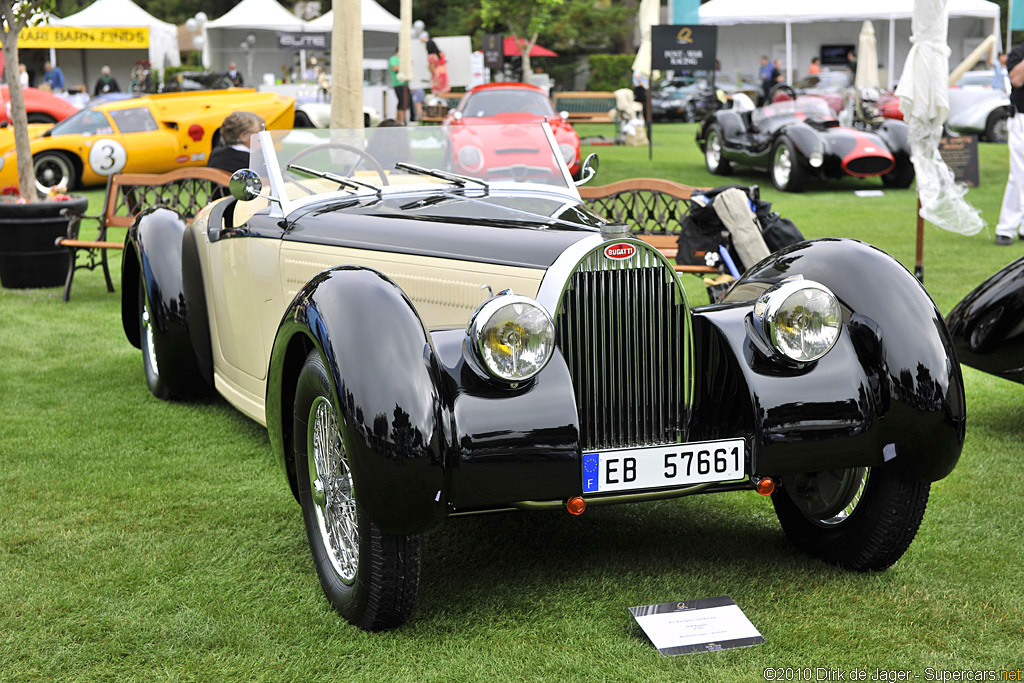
(19, 119)
(347, 65)
(525, 47)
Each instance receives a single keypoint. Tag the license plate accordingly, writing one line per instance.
(628, 469)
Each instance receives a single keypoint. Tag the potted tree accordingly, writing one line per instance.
(29, 224)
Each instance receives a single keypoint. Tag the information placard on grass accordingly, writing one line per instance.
(705, 625)
(684, 48)
(961, 155)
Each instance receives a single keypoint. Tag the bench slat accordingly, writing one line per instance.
(86, 244)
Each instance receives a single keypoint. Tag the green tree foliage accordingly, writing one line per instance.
(610, 72)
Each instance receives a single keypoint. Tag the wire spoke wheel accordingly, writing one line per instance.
(783, 166)
(332, 490)
(714, 150)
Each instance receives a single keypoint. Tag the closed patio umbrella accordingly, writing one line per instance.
(924, 101)
(867, 58)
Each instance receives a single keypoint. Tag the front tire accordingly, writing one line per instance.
(148, 339)
(996, 126)
(861, 519)
(714, 158)
(369, 577)
(788, 175)
(900, 178)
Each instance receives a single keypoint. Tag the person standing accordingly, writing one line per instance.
(235, 75)
(1000, 80)
(815, 67)
(54, 77)
(764, 74)
(23, 76)
(1011, 215)
(438, 66)
(401, 88)
(105, 83)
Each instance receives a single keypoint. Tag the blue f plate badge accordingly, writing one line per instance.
(628, 469)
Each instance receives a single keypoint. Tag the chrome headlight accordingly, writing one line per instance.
(816, 159)
(512, 336)
(471, 158)
(568, 154)
(799, 319)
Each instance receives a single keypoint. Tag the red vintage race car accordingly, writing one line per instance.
(42, 107)
(474, 151)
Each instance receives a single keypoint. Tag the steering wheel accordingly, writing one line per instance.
(374, 164)
(781, 88)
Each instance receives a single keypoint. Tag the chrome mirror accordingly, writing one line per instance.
(245, 185)
(589, 169)
(564, 115)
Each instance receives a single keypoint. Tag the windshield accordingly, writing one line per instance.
(88, 121)
(303, 166)
(506, 101)
(812, 107)
(826, 80)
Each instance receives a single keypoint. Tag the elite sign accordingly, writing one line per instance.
(683, 48)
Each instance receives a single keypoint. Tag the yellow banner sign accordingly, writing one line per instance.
(70, 37)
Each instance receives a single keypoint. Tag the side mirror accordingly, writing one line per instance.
(457, 116)
(245, 185)
(589, 169)
(564, 115)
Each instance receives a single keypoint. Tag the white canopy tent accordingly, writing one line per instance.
(750, 28)
(262, 19)
(380, 29)
(163, 41)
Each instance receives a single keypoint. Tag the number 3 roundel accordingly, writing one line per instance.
(107, 157)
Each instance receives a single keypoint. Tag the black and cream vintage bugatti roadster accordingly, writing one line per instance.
(422, 344)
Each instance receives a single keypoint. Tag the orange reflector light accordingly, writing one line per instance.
(576, 505)
(765, 486)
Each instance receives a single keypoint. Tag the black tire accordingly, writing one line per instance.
(859, 525)
(793, 180)
(714, 159)
(302, 120)
(54, 168)
(899, 178)
(40, 117)
(995, 126)
(375, 587)
(150, 341)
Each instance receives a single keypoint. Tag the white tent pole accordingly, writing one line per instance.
(1009, 22)
(302, 65)
(892, 51)
(53, 56)
(789, 52)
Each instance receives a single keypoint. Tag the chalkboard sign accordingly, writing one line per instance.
(684, 48)
(494, 50)
(961, 155)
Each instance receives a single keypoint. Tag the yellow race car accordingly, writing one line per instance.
(150, 134)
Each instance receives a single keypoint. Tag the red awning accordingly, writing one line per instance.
(512, 49)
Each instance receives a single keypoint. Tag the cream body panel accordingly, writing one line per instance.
(444, 291)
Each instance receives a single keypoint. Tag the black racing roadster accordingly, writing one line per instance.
(423, 344)
(800, 138)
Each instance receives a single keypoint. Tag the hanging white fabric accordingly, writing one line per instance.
(924, 101)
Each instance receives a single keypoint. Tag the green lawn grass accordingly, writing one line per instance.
(146, 540)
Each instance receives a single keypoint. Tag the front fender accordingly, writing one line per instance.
(385, 377)
(894, 133)
(892, 379)
(161, 255)
(988, 325)
(805, 139)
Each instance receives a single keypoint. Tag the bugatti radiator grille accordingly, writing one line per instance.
(623, 328)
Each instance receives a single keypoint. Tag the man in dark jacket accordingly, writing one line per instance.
(106, 83)
(235, 132)
(235, 75)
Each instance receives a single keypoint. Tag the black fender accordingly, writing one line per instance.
(988, 325)
(894, 134)
(729, 120)
(510, 444)
(385, 377)
(806, 140)
(161, 249)
(890, 393)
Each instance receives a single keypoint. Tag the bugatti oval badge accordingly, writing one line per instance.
(619, 251)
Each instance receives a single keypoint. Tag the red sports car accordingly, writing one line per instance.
(42, 107)
(473, 150)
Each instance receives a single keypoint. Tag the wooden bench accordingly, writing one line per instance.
(186, 190)
(654, 209)
(587, 106)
